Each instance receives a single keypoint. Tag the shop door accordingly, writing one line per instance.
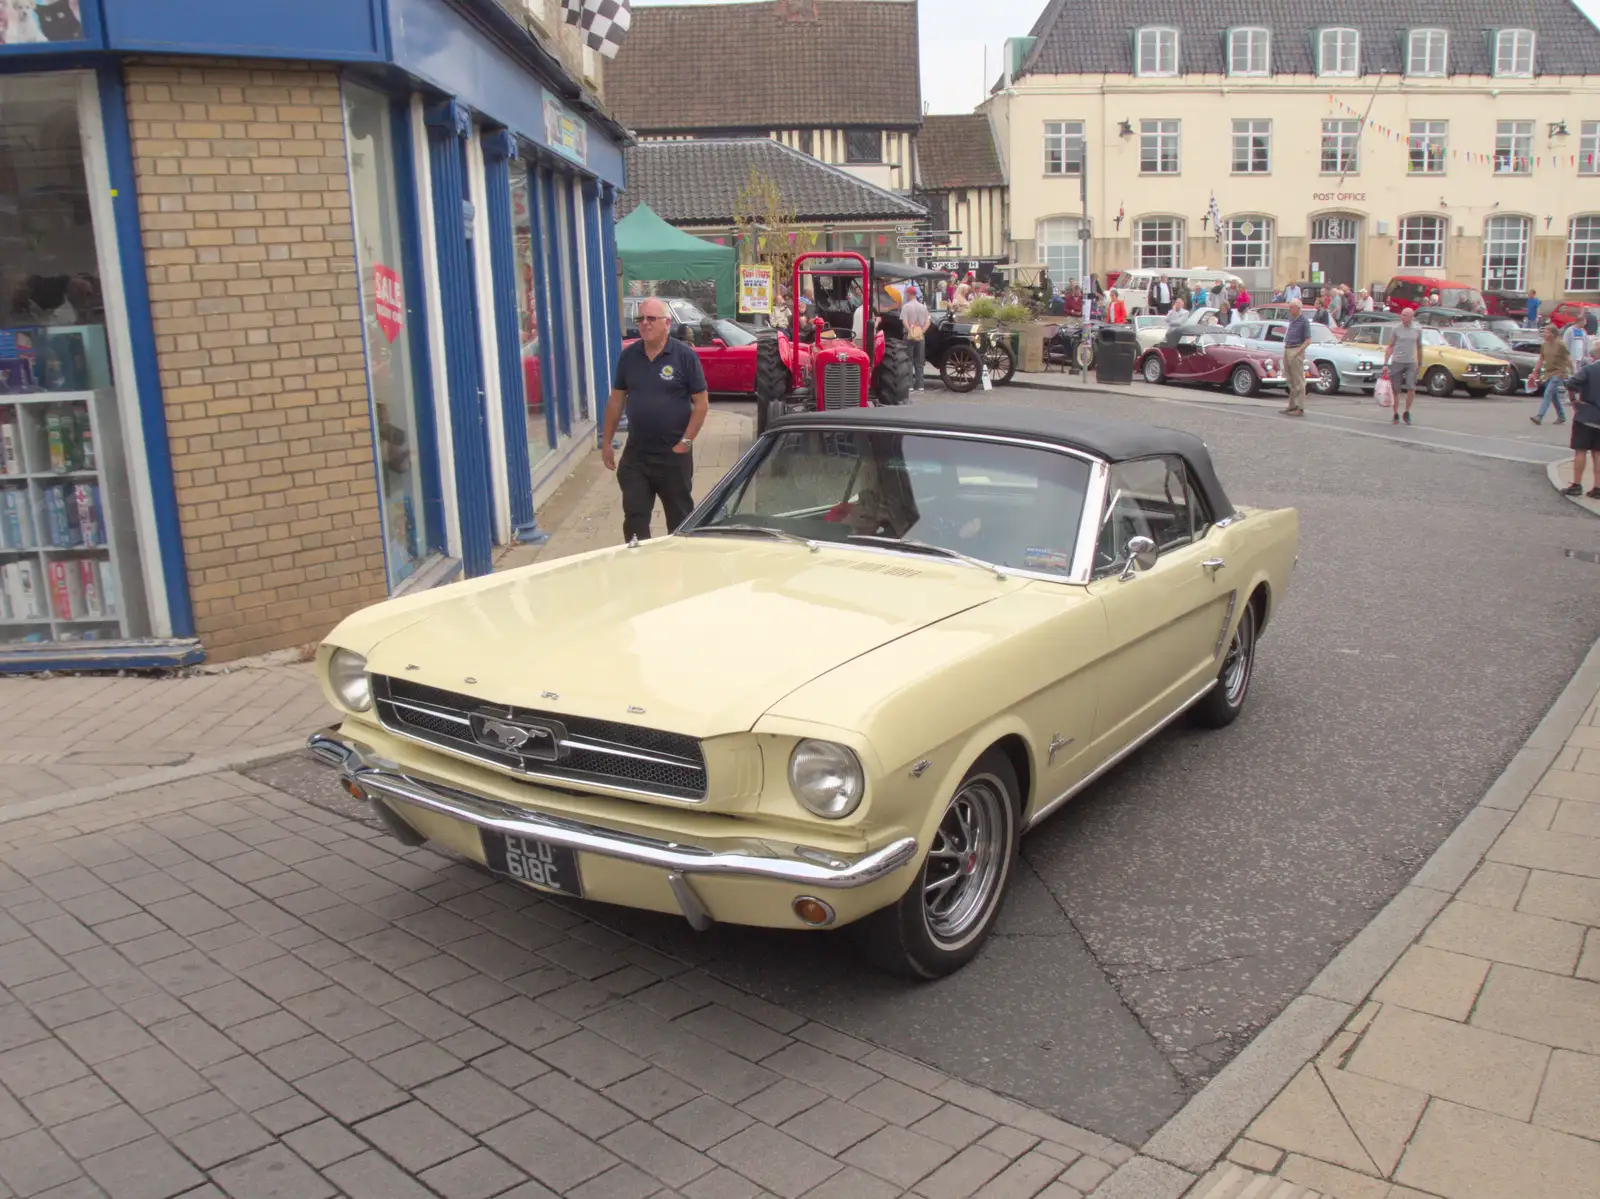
(1333, 249)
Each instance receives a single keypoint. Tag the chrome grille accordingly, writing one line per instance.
(841, 385)
(597, 752)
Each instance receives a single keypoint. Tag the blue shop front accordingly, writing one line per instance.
(145, 519)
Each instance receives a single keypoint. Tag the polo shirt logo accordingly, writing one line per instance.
(666, 371)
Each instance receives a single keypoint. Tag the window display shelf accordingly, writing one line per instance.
(62, 519)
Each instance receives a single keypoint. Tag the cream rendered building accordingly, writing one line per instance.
(1456, 139)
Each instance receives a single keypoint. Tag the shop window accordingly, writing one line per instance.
(69, 553)
(530, 285)
(1505, 253)
(388, 328)
(1422, 242)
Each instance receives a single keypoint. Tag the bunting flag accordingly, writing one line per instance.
(1518, 164)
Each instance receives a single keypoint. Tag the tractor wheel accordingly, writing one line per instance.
(772, 377)
(891, 381)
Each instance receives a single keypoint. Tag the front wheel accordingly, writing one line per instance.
(1243, 381)
(1222, 704)
(1002, 364)
(946, 914)
(1507, 384)
(1438, 382)
(960, 369)
(1327, 379)
(1153, 369)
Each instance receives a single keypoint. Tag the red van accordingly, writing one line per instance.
(1412, 291)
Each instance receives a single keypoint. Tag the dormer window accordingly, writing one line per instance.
(1426, 52)
(1338, 52)
(1513, 53)
(1157, 51)
(1249, 52)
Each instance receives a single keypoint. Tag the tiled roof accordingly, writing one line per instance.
(748, 66)
(1093, 37)
(957, 151)
(695, 182)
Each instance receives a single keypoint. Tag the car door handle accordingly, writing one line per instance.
(1212, 565)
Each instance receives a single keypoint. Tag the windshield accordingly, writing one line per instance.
(1321, 333)
(1482, 339)
(1009, 505)
(734, 335)
(1432, 337)
(1469, 298)
(1222, 339)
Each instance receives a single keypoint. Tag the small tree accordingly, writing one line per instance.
(769, 232)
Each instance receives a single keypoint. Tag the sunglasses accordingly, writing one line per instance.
(647, 319)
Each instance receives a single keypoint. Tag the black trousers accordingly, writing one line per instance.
(646, 475)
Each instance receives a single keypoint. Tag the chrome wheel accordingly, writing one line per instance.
(1153, 371)
(968, 861)
(1237, 666)
(1243, 381)
(1328, 378)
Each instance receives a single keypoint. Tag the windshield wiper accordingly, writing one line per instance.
(777, 534)
(924, 547)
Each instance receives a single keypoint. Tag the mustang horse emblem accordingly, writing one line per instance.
(532, 740)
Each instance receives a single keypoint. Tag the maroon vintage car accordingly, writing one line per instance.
(1207, 354)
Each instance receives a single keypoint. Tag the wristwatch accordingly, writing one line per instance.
(686, 440)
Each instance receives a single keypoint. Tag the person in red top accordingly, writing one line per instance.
(1119, 310)
(1072, 302)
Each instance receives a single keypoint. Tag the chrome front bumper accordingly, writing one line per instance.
(384, 782)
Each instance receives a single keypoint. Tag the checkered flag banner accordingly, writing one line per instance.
(1216, 218)
(604, 24)
(572, 11)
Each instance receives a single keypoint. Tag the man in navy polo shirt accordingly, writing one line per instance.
(660, 384)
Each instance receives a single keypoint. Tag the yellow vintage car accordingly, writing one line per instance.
(885, 645)
(1442, 366)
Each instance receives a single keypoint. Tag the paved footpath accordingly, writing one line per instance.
(211, 988)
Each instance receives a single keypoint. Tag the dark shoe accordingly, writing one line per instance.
(1407, 418)
(1395, 420)
(1536, 420)
(1593, 493)
(1575, 489)
(1561, 420)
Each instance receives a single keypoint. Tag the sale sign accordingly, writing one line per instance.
(387, 300)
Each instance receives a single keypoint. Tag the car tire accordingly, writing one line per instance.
(1438, 381)
(960, 370)
(946, 914)
(891, 380)
(1510, 385)
(1328, 381)
(772, 377)
(1222, 704)
(1001, 362)
(1243, 381)
(1153, 369)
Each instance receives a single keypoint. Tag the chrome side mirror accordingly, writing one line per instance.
(1142, 554)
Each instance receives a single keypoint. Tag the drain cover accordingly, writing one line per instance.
(1584, 555)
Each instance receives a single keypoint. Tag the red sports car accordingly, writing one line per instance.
(1205, 354)
(727, 350)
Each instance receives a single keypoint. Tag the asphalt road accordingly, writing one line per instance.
(1177, 906)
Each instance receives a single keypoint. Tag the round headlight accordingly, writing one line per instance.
(347, 675)
(826, 778)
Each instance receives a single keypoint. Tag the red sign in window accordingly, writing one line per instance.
(386, 299)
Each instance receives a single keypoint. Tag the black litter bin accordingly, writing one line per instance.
(1115, 348)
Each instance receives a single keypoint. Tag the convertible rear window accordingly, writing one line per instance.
(1010, 505)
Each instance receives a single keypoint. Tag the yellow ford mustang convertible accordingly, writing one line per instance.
(887, 643)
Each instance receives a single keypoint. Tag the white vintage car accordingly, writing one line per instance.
(885, 645)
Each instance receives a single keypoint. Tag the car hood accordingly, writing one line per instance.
(1455, 357)
(695, 636)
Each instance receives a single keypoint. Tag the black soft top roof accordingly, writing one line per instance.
(1112, 440)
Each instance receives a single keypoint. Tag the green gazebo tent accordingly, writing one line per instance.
(651, 249)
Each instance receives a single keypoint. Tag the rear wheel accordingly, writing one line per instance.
(1438, 382)
(1243, 381)
(1223, 703)
(1153, 369)
(946, 914)
(891, 381)
(1328, 379)
(772, 378)
(960, 368)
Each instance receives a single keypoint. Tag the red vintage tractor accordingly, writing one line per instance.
(821, 367)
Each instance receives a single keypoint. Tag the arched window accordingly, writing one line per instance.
(1156, 51)
(1249, 244)
(1583, 253)
(1505, 253)
(1422, 242)
(1158, 243)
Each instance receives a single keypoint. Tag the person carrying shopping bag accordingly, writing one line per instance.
(1555, 364)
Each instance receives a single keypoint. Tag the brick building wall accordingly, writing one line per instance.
(244, 205)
